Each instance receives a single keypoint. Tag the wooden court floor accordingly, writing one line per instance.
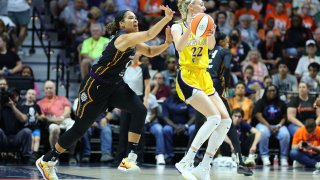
(153, 173)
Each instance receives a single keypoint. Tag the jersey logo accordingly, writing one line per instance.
(83, 97)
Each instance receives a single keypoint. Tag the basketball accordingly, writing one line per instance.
(201, 25)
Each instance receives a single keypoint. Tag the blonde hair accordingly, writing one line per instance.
(183, 8)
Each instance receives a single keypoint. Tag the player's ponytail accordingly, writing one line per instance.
(183, 8)
(114, 26)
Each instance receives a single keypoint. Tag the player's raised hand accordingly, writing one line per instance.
(168, 12)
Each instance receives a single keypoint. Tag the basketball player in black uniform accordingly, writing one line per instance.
(219, 69)
(103, 87)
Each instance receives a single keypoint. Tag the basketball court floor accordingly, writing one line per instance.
(151, 172)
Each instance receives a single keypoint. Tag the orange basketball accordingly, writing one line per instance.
(201, 25)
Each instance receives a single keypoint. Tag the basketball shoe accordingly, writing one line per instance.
(201, 172)
(129, 163)
(47, 169)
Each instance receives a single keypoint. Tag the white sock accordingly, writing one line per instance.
(191, 154)
(217, 137)
(206, 130)
(207, 159)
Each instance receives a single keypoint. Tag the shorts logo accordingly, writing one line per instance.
(83, 97)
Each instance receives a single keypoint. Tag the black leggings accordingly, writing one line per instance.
(95, 98)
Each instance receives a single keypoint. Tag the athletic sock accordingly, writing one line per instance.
(51, 155)
(207, 159)
(191, 154)
(132, 147)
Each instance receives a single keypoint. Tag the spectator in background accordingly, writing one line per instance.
(316, 35)
(92, 48)
(179, 120)
(293, 47)
(248, 10)
(252, 86)
(14, 136)
(240, 101)
(301, 108)
(159, 88)
(225, 7)
(259, 69)
(131, 5)
(271, 51)
(155, 128)
(258, 6)
(222, 25)
(4, 31)
(33, 112)
(102, 127)
(307, 19)
(96, 3)
(239, 50)
(284, 81)
(19, 13)
(10, 63)
(313, 79)
(304, 61)
(109, 10)
(259, 91)
(57, 6)
(27, 71)
(314, 6)
(75, 16)
(56, 112)
(248, 33)
(150, 8)
(248, 136)
(282, 21)
(269, 26)
(305, 149)
(270, 111)
(170, 73)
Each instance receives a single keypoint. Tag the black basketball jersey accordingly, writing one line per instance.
(111, 66)
(219, 62)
